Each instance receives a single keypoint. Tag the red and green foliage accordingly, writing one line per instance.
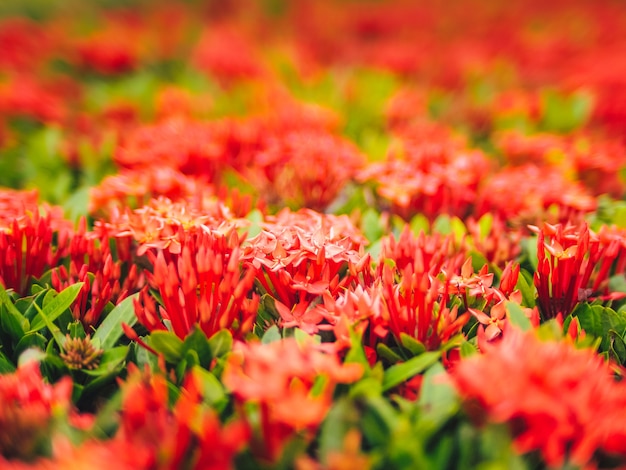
(312, 234)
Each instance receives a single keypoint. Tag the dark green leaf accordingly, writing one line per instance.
(400, 373)
(6, 366)
(221, 343)
(110, 330)
(197, 342)
(617, 347)
(53, 309)
(110, 362)
(413, 345)
(386, 352)
(212, 389)
(168, 344)
(11, 321)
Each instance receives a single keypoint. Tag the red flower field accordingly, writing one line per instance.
(312, 234)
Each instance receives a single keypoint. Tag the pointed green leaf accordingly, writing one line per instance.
(527, 288)
(110, 330)
(221, 343)
(416, 347)
(53, 309)
(11, 320)
(198, 343)
(110, 363)
(54, 330)
(6, 366)
(386, 352)
(399, 373)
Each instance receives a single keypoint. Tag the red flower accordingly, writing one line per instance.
(188, 435)
(305, 168)
(430, 173)
(26, 248)
(574, 263)
(204, 284)
(301, 255)
(162, 223)
(280, 378)
(558, 400)
(92, 262)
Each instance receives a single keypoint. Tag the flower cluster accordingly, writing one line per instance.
(312, 234)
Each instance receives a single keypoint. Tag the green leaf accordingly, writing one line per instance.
(56, 307)
(617, 348)
(212, 389)
(6, 366)
(517, 316)
(54, 330)
(30, 340)
(271, 334)
(254, 228)
(371, 226)
(110, 363)
(442, 225)
(399, 373)
(419, 223)
(416, 347)
(221, 343)
(438, 399)
(302, 337)
(340, 419)
(356, 353)
(197, 342)
(598, 321)
(386, 352)
(468, 349)
(484, 225)
(110, 330)
(168, 344)
(11, 320)
(526, 286)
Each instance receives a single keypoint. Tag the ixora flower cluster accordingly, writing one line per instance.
(315, 234)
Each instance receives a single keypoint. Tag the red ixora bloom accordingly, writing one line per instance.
(558, 400)
(409, 298)
(26, 233)
(301, 255)
(203, 285)
(106, 278)
(161, 223)
(280, 378)
(189, 435)
(574, 264)
(305, 168)
(430, 172)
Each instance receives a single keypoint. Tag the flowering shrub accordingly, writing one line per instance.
(312, 235)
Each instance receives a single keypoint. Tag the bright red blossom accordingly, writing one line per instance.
(558, 400)
(280, 378)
